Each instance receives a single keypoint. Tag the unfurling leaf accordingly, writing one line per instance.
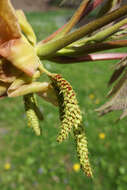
(9, 27)
(26, 27)
(19, 82)
(28, 88)
(119, 68)
(8, 73)
(21, 54)
(118, 92)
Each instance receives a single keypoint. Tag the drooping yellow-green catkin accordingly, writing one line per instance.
(68, 106)
(32, 113)
(70, 116)
(35, 106)
(82, 150)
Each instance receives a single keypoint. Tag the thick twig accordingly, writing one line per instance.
(48, 49)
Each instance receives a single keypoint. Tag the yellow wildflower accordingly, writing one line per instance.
(76, 167)
(91, 96)
(102, 135)
(97, 101)
(7, 166)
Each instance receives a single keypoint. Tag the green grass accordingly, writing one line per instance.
(40, 163)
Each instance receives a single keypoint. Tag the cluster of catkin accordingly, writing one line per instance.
(70, 116)
(71, 119)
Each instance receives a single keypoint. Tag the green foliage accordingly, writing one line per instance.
(39, 162)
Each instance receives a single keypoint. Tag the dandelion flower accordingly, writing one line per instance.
(76, 167)
(91, 96)
(7, 166)
(102, 135)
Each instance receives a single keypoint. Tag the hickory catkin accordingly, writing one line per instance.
(31, 113)
(82, 150)
(71, 117)
(68, 106)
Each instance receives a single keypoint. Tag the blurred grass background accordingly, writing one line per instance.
(28, 162)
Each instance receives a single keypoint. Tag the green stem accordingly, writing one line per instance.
(43, 70)
(48, 49)
(91, 48)
(102, 35)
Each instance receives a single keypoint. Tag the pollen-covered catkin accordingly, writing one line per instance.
(71, 117)
(35, 107)
(68, 106)
(32, 118)
(82, 150)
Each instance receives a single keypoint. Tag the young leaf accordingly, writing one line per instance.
(119, 99)
(119, 68)
(28, 88)
(9, 27)
(21, 54)
(8, 73)
(26, 27)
